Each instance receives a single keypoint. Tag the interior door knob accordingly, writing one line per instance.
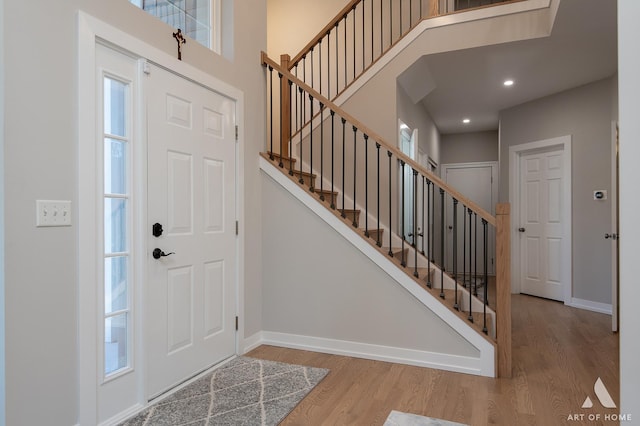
(521, 229)
(157, 253)
(612, 236)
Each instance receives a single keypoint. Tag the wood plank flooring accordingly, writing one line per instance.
(558, 353)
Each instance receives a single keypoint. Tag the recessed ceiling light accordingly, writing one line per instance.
(508, 83)
(466, 121)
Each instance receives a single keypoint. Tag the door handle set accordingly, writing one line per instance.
(612, 236)
(521, 229)
(157, 253)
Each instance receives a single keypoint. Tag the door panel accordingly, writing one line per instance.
(474, 181)
(191, 192)
(541, 211)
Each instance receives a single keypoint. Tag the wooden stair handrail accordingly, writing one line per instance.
(266, 61)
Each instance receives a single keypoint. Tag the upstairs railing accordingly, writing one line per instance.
(354, 170)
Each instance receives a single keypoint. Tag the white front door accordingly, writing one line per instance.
(540, 224)
(190, 295)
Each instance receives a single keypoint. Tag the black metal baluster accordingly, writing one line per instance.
(378, 239)
(390, 23)
(281, 163)
(411, 13)
(291, 124)
(271, 108)
(475, 274)
(400, 35)
(321, 151)
(424, 230)
(363, 35)
(301, 180)
(312, 86)
(455, 253)
(403, 261)
(415, 223)
(337, 60)
(430, 235)
(475, 256)
(329, 65)
(354, 42)
(486, 283)
(345, 51)
(366, 183)
(464, 247)
(442, 237)
(470, 317)
(333, 203)
(372, 31)
(343, 174)
(304, 68)
(355, 161)
(390, 222)
(320, 64)
(311, 186)
(381, 28)
(420, 10)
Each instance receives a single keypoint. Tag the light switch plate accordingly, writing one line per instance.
(53, 213)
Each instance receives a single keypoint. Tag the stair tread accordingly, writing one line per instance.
(298, 172)
(326, 191)
(349, 210)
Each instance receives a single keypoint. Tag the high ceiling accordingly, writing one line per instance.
(469, 83)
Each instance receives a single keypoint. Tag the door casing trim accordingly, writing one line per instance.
(515, 152)
(90, 32)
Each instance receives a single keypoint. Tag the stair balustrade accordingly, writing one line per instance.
(334, 150)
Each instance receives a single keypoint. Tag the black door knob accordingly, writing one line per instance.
(156, 229)
(521, 229)
(157, 253)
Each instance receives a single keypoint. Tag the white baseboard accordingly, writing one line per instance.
(602, 308)
(440, 361)
(252, 342)
(124, 415)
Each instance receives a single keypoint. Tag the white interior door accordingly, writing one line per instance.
(476, 182)
(190, 309)
(542, 201)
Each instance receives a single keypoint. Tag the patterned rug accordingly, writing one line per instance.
(245, 391)
(397, 418)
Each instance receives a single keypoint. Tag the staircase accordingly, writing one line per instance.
(359, 178)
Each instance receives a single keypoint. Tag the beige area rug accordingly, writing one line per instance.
(397, 418)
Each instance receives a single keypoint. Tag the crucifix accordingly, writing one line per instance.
(181, 40)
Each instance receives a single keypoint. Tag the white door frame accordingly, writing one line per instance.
(90, 32)
(515, 152)
(614, 227)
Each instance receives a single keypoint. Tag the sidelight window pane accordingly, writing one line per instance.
(115, 343)
(115, 102)
(115, 166)
(115, 284)
(115, 225)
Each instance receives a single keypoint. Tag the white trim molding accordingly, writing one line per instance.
(602, 308)
(515, 151)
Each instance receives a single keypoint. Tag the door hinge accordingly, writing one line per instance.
(236, 323)
(236, 133)
(237, 226)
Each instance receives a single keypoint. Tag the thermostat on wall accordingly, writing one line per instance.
(600, 194)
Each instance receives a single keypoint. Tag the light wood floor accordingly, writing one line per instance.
(558, 353)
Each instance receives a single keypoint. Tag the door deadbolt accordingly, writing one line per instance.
(156, 229)
(157, 253)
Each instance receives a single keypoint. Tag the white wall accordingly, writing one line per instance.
(629, 93)
(291, 24)
(585, 113)
(2, 324)
(40, 149)
(469, 147)
(317, 284)
(417, 117)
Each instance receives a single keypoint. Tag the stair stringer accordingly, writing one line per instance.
(485, 365)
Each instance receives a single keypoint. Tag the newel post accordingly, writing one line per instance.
(503, 288)
(285, 109)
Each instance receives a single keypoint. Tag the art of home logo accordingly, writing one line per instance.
(603, 396)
